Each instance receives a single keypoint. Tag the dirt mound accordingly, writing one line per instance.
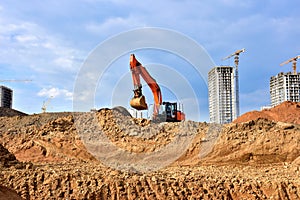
(8, 112)
(285, 112)
(43, 138)
(122, 110)
(256, 142)
(258, 159)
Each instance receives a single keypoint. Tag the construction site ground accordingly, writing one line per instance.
(43, 156)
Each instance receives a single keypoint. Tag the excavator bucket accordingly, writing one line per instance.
(139, 103)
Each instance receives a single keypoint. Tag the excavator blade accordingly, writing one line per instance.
(139, 103)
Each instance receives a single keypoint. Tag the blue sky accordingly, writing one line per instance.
(47, 42)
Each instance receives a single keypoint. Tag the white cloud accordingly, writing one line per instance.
(66, 62)
(31, 46)
(55, 92)
(33, 42)
(114, 24)
(26, 38)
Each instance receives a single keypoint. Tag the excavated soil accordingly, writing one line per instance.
(286, 112)
(44, 157)
(8, 112)
(8, 194)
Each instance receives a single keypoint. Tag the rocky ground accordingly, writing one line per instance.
(53, 156)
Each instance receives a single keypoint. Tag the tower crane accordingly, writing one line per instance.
(46, 103)
(294, 61)
(236, 62)
(15, 80)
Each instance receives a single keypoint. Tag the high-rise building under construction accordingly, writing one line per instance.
(285, 87)
(222, 98)
(6, 95)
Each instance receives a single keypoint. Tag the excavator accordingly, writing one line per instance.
(171, 112)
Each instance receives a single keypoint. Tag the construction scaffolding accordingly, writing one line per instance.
(221, 89)
(285, 87)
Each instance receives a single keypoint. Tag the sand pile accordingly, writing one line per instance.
(286, 112)
(43, 138)
(256, 142)
(8, 112)
(257, 159)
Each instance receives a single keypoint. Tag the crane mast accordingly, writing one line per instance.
(236, 76)
(45, 104)
(15, 80)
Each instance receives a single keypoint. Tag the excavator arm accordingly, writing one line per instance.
(138, 101)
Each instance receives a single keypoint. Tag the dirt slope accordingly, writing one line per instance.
(258, 159)
(8, 160)
(49, 137)
(8, 194)
(256, 142)
(285, 112)
(88, 181)
(8, 112)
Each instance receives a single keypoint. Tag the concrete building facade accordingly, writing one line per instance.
(284, 87)
(221, 91)
(6, 96)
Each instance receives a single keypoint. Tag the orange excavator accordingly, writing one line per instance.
(171, 112)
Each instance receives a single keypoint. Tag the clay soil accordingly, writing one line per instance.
(286, 112)
(44, 157)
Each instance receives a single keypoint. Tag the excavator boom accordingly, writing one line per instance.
(138, 101)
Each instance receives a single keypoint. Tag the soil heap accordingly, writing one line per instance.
(8, 112)
(257, 159)
(285, 112)
(7, 160)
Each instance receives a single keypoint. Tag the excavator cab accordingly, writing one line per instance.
(172, 113)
